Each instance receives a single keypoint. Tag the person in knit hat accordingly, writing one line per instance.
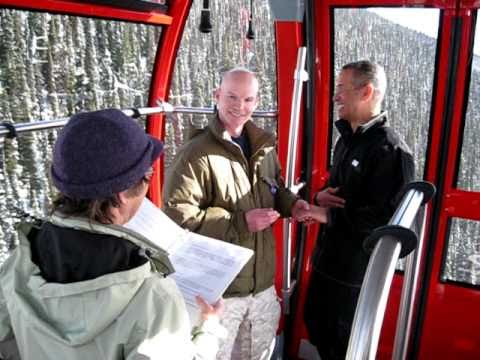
(80, 285)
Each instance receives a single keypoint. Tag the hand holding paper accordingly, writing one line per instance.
(203, 266)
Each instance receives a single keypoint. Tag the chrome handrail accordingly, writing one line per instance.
(407, 299)
(162, 108)
(300, 76)
(376, 284)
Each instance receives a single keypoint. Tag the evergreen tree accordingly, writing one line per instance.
(92, 78)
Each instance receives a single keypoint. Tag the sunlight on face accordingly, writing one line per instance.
(346, 96)
(236, 99)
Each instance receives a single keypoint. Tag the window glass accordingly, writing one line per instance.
(52, 66)
(403, 41)
(469, 170)
(463, 253)
(203, 57)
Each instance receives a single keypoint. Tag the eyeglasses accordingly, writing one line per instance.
(148, 175)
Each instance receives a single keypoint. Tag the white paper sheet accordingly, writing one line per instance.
(203, 266)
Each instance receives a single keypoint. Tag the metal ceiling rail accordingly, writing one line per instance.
(6, 130)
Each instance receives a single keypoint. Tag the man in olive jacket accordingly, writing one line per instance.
(225, 183)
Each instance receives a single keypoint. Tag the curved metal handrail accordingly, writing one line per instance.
(407, 299)
(162, 108)
(376, 284)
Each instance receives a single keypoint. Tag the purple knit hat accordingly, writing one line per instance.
(101, 153)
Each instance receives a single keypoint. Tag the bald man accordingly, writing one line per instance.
(225, 183)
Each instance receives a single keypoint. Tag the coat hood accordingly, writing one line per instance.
(73, 313)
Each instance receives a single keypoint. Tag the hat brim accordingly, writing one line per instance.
(157, 148)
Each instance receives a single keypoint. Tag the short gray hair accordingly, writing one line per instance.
(365, 72)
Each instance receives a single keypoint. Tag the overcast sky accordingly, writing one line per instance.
(422, 20)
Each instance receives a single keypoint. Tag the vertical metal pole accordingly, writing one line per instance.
(376, 284)
(300, 76)
(407, 300)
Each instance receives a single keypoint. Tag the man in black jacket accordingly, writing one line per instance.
(371, 165)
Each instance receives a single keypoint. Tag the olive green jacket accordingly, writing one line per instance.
(211, 185)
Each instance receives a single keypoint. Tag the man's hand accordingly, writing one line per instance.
(208, 311)
(327, 198)
(260, 219)
(317, 214)
(301, 210)
(308, 213)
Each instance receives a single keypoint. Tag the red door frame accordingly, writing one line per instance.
(89, 10)
(161, 81)
(457, 336)
(289, 37)
(173, 24)
(464, 202)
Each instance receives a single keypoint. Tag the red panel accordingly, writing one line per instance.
(433, 158)
(288, 39)
(161, 80)
(90, 10)
(322, 111)
(385, 346)
(452, 319)
(322, 77)
(464, 204)
(454, 336)
(469, 4)
(439, 104)
(444, 4)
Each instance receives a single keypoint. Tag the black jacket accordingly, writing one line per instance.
(371, 167)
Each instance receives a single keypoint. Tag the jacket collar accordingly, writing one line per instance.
(347, 133)
(157, 256)
(259, 138)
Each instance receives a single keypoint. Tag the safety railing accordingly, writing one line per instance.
(390, 243)
(300, 76)
(11, 129)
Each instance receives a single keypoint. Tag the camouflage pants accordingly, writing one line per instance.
(252, 323)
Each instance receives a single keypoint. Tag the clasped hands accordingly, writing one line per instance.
(260, 219)
(325, 199)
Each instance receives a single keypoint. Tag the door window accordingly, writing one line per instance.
(469, 170)
(52, 66)
(203, 57)
(392, 38)
(463, 255)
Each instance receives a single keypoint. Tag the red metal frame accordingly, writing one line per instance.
(288, 39)
(443, 4)
(321, 108)
(169, 42)
(161, 81)
(450, 322)
(431, 171)
(453, 202)
(89, 10)
(459, 302)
